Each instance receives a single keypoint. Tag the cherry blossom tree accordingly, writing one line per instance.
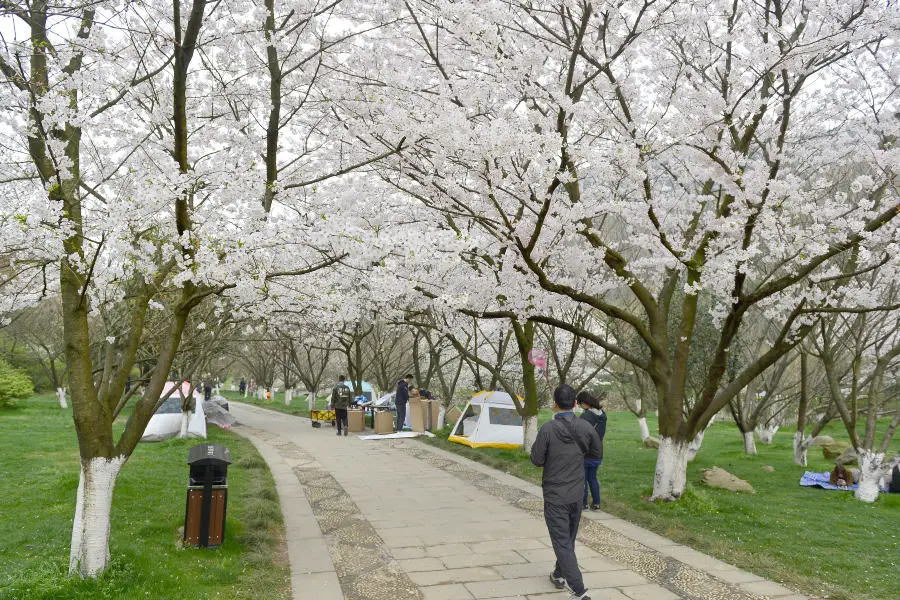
(604, 153)
(132, 184)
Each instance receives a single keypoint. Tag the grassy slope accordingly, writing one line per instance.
(39, 453)
(823, 543)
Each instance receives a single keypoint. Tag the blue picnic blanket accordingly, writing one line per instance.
(823, 480)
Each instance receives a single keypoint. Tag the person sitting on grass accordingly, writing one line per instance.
(561, 446)
(594, 415)
(841, 476)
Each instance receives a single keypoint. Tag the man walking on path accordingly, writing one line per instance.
(561, 447)
(340, 402)
(402, 399)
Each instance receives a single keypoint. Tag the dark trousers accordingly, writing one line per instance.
(207, 393)
(401, 416)
(562, 523)
(340, 415)
(590, 481)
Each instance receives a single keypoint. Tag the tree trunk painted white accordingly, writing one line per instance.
(287, 397)
(871, 470)
(61, 394)
(232, 386)
(767, 434)
(645, 431)
(89, 554)
(442, 417)
(312, 400)
(694, 447)
(656, 412)
(671, 469)
(185, 422)
(529, 430)
(749, 443)
(246, 390)
(800, 448)
(637, 406)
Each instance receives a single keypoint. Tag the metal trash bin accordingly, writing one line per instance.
(207, 495)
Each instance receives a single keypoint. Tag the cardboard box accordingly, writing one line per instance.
(384, 422)
(433, 413)
(452, 416)
(418, 416)
(356, 421)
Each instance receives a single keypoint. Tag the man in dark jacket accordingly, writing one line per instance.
(402, 399)
(340, 402)
(561, 447)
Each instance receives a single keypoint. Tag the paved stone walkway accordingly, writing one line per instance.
(398, 520)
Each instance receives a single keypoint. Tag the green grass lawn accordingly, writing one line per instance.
(822, 543)
(39, 475)
(299, 403)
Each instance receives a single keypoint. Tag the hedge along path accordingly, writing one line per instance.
(679, 578)
(365, 567)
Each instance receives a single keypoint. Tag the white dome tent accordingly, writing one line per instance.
(167, 421)
(490, 420)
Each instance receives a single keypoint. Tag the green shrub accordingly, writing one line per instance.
(14, 385)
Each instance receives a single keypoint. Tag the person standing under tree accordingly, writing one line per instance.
(402, 399)
(560, 449)
(594, 415)
(340, 402)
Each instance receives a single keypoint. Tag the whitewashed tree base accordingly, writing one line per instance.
(529, 432)
(185, 424)
(287, 397)
(694, 447)
(645, 431)
(800, 448)
(89, 554)
(671, 470)
(61, 395)
(749, 443)
(871, 471)
(767, 434)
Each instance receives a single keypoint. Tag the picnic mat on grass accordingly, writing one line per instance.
(823, 480)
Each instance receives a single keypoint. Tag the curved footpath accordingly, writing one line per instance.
(399, 520)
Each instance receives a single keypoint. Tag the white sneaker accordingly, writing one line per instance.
(559, 582)
(584, 596)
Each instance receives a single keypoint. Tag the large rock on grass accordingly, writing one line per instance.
(722, 479)
(823, 440)
(835, 449)
(651, 442)
(849, 457)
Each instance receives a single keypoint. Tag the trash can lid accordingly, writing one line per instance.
(209, 454)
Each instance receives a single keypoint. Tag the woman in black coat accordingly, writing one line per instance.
(593, 414)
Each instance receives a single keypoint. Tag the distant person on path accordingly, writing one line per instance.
(596, 418)
(402, 399)
(340, 402)
(242, 386)
(560, 449)
(207, 388)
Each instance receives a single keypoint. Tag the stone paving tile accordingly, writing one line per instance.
(454, 591)
(418, 565)
(454, 576)
(458, 561)
(316, 586)
(648, 592)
